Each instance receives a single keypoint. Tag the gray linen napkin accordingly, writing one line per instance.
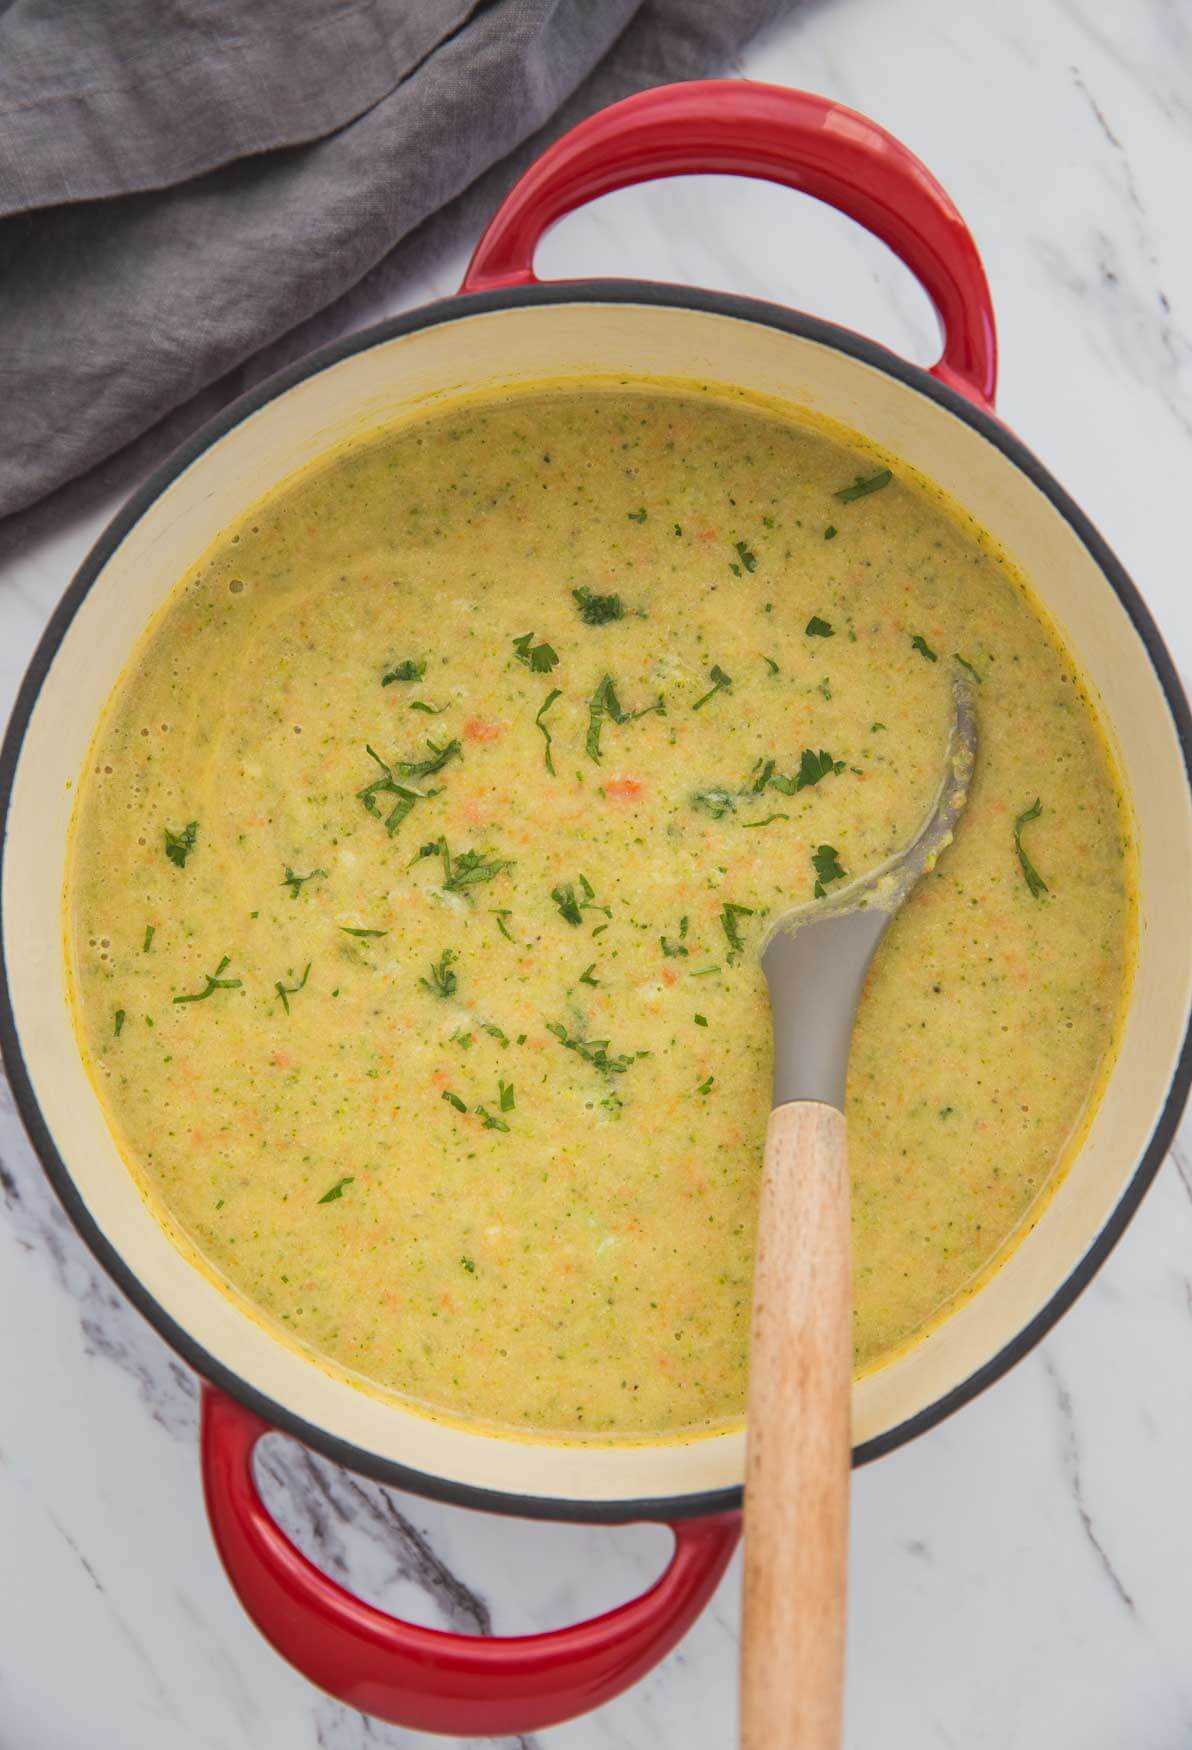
(182, 181)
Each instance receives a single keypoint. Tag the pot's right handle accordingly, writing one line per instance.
(739, 127)
(468, 1686)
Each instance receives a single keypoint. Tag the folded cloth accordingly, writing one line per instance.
(182, 181)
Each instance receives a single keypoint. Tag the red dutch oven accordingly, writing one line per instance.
(503, 331)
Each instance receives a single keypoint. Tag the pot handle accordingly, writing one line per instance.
(797, 138)
(421, 1678)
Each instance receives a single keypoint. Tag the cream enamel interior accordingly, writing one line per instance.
(424, 368)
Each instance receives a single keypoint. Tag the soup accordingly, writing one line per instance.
(425, 850)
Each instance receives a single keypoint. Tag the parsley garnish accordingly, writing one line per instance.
(150, 932)
(214, 982)
(387, 785)
(716, 803)
(442, 981)
(720, 681)
(598, 610)
(771, 665)
(604, 703)
(430, 710)
(337, 1190)
(830, 532)
(817, 628)
(538, 658)
(585, 976)
(464, 870)
(349, 931)
(572, 908)
(729, 914)
(770, 818)
(595, 1051)
(409, 670)
(705, 1087)
(827, 868)
(701, 1020)
(812, 767)
(636, 516)
(119, 1022)
(919, 643)
(286, 991)
(296, 883)
(747, 557)
(179, 845)
(863, 485)
(502, 925)
(454, 1100)
(1031, 875)
(496, 1032)
(673, 950)
(491, 1122)
(506, 1092)
(964, 663)
(469, 1265)
(555, 693)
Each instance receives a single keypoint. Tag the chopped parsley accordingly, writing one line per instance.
(430, 710)
(469, 1265)
(497, 1033)
(673, 950)
(585, 976)
(388, 785)
(296, 883)
(597, 610)
(817, 628)
(964, 663)
(863, 485)
(179, 845)
(715, 803)
(337, 1190)
(215, 981)
(555, 693)
(119, 1022)
(768, 821)
(506, 1092)
(286, 991)
(745, 554)
(464, 870)
(150, 932)
(454, 1100)
(571, 907)
(827, 868)
(1031, 875)
(812, 767)
(720, 683)
(729, 914)
(919, 643)
(604, 703)
(409, 670)
(491, 1121)
(502, 925)
(348, 930)
(538, 658)
(442, 981)
(595, 1051)
(701, 1020)
(831, 532)
(771, 665)
(705, 1087)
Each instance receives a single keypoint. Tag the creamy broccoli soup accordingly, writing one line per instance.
(425, 849)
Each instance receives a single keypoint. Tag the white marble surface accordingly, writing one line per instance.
(1022, 1576)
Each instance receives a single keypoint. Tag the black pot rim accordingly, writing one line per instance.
(450, 310)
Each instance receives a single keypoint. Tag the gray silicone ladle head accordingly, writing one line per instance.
(817, 954)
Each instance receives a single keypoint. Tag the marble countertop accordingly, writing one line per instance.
(1021, 1576)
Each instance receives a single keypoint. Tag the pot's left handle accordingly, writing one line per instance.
(425, 1679)
(737, 127)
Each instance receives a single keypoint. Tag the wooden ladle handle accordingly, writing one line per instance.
(799, 1438)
